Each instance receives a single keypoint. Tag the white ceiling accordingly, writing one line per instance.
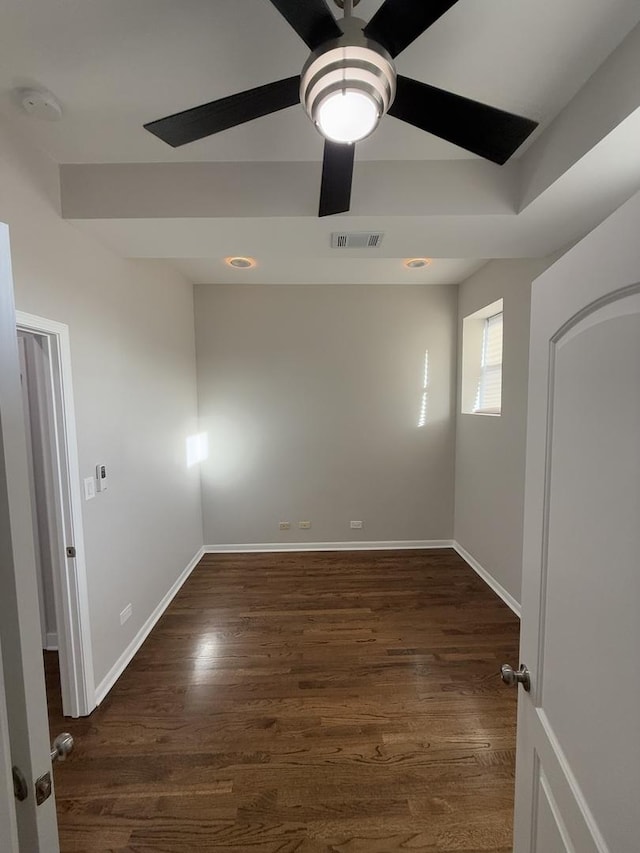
(115, 65)
(340, 270)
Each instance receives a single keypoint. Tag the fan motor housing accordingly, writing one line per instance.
(352, 63)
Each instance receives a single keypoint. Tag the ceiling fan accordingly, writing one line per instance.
(348, 83)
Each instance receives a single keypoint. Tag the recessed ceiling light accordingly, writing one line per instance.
(417, 263)
(240, 263)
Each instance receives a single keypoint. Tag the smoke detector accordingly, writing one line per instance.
(40, 104)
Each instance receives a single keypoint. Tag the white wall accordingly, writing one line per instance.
(311, 398)
(490, 451)
(132, 346)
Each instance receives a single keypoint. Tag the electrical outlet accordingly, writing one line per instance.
(285, 525)
(356, 525)
(126, 614)
(304, 525)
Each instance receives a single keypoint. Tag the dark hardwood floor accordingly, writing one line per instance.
(304, 702)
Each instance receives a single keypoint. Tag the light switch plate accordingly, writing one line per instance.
(89, 488)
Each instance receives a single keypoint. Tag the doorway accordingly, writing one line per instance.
(47, 397)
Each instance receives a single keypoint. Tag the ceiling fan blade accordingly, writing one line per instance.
(198, 122)
(399, 22)
(311, 19)
(337, 175)
(492, 133)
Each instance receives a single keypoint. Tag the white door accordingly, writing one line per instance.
(26, 710)
(578, 766)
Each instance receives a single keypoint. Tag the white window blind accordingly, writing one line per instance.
(489, 395)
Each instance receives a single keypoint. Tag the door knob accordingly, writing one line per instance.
(512, 677)
(61, 747)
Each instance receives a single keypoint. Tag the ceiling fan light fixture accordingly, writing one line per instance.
(352, 64)
(347, 115)
(348, 84)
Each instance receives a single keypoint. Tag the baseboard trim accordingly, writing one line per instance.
(51, 641)
(508, 599)
(125, 658)
(268, 547)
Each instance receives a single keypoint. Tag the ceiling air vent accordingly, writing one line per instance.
(356, 239)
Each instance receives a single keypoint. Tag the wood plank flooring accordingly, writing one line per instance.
(302, 703)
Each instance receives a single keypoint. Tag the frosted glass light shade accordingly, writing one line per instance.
(347, 116)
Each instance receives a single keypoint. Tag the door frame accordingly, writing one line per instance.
(22, 354)
(8, 824)
(70, 574)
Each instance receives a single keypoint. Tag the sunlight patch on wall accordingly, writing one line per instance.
(197, 448)
(237, 443)
(424, 405)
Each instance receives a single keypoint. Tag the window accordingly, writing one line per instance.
(482, 361)
(489, 396)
